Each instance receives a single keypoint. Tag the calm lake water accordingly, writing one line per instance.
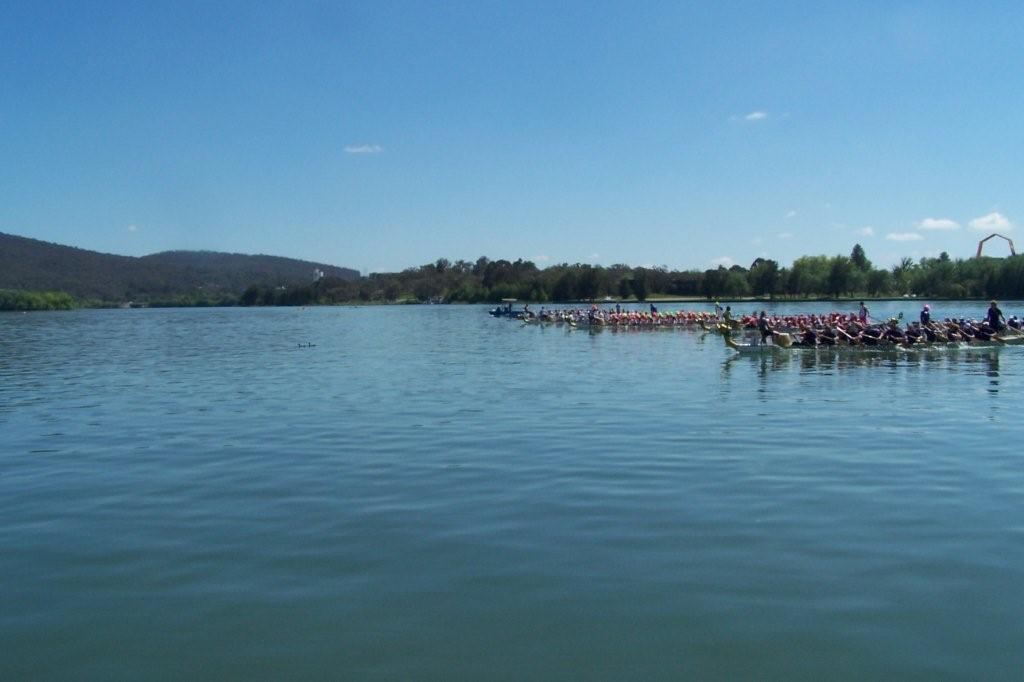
(429, 493)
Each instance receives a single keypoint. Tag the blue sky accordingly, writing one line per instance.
(385, 135)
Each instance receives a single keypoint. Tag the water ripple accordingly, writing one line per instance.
(429, 493)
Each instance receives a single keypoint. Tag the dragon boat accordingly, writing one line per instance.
(722, 327)
(783, 342)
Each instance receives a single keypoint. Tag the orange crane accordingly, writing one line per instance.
(1009, 241)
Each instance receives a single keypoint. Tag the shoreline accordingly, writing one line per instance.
(649, 301)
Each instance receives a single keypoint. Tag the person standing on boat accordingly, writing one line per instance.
(926, 315)
(764, 327)
(994, 316)
(863, 314)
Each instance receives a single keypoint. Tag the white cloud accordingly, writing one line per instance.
(996, 222)
(363, 149)
(757, 240)
(785, 235)
(541, 258)
(756, 116)
(133, 228)
(790, 215)
(938, 224)
(866, 231)
(595, 256)
(903, 236)
(724, 261)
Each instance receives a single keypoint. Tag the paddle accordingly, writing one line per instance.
(1011, 335)
(852, 340)
(875, 320)
(782, 339)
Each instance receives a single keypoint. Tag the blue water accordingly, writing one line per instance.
(429, 493)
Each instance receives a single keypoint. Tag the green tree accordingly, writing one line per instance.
(809, 275)
(901, 273)
(840, 273)
(878, 282)
(639, 285)
(763, 277)
(859, 259)
(714, 283)
(736, 282)
(589, 283)
(565, 287)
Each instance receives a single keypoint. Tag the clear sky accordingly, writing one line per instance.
(383, 135)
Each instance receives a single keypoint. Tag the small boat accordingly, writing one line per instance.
(507, 310)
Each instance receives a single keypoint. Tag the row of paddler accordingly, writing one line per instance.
(706, 320)
(722, 319)
(623, 318)
(888, 334)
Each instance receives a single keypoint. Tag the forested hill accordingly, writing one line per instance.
(33, 265)
(238, 271)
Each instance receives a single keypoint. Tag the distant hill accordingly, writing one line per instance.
(34, 265)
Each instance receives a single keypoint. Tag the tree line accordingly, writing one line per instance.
(35, 300)
(807, 277)
(490, 281)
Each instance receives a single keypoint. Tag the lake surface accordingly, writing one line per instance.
(429, 493)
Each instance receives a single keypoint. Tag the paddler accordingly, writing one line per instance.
(892, 332)
(870, 336)
(984, 331)
(808, 337)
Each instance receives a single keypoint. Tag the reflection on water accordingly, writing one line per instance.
(825, 361)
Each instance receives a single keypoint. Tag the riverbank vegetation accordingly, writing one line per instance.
(35, 300)
(807, 277)
(487, 281)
